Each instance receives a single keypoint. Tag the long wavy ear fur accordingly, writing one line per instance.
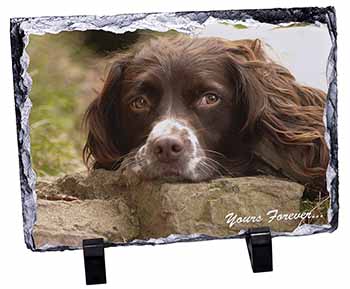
(101, 149)
(286, 115)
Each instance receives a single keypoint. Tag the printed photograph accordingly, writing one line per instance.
(156, 135)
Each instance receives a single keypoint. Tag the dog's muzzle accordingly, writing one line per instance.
(172, 150)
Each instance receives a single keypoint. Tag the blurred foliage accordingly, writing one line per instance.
(319, 207)
(104, 42)
(64, 69)
(237, 25)
(56, 68)
(292, 25)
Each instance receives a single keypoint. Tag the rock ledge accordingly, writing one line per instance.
(110, 206)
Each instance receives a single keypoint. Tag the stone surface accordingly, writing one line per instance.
(119, 209)
(68, 223)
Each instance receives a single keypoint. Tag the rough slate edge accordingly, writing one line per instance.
(21, 28)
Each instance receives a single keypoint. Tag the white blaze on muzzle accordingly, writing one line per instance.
(192, 152)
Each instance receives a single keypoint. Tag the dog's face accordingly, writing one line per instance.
(176, 111)
(194, 108)
(170, 109)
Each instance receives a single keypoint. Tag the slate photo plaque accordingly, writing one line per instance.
(167, 127)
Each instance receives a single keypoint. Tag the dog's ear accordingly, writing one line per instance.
(101, 121)
(249, 91)
(278, 109)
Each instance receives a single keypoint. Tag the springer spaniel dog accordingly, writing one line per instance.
(193, 109)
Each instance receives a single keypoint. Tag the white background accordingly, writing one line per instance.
(319, 261)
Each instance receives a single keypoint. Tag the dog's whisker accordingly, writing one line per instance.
(120, 163)
(129, 164)
(205, 164)
(116, 164)
(216, 163)
(214, 152)
(208, 171)
(204, 170)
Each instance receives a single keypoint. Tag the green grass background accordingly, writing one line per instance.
(57, 65)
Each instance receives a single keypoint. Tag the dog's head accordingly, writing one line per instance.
(189, 108)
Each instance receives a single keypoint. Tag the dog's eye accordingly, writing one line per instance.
(140, 103)
(208, 99)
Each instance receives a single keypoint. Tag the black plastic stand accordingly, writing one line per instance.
(94, 260)
(259, 243)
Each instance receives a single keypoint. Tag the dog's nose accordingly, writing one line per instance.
(168, 148)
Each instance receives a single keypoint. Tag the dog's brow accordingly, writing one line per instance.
(139, 84)
(204, 86)
(143, 85)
